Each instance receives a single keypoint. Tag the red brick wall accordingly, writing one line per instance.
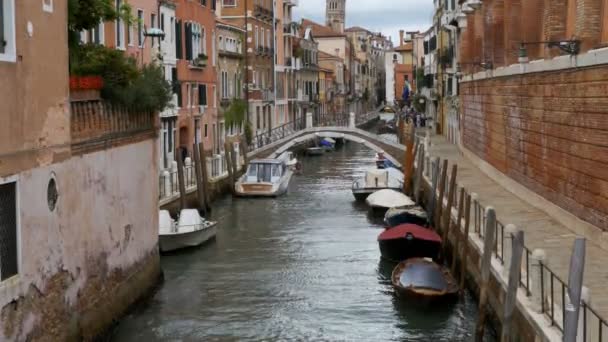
(548, 131)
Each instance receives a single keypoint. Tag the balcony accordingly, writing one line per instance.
(267, 95)
(262, 13)
(97, 125)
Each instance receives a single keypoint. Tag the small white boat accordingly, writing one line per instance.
(377, 179)
(192, 230)
(383, 200)
(266, 177)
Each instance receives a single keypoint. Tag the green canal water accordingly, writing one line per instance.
(303, 267)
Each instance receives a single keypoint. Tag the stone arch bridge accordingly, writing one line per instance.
(392, 150)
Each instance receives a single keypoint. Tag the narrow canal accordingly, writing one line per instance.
(303, 267)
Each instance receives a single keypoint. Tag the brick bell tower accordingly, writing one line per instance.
(335, 15)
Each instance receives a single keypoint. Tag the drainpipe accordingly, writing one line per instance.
(246, 45)
(274, 59)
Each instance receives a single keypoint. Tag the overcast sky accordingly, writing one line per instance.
(388, 16)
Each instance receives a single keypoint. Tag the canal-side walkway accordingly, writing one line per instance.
(542, 231)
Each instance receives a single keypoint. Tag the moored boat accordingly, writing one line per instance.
(377, 179)
(383, 200)
(414, 215)
(409, 241)
(190, 231)
(328, 144)
(424, 280)
(315, 151)
(266, 177)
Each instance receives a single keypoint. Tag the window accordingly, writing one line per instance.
(256, 37)
(9, 256)
(119, 28)
(224, 84)
(206, 130)
(47, 6)
(229, 3)
(197, 131)
(202, 95)
(178, 40)
(140, 29)
(152, 24)
(130, 35)
(268, 38)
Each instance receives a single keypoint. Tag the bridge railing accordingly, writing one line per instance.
(264, 138)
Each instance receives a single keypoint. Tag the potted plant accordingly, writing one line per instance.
(201, 60)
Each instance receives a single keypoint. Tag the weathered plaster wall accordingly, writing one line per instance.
(84, 263)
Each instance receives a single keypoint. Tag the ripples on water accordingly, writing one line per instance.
(303, 267)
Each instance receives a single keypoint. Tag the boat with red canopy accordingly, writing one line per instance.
(409, 241)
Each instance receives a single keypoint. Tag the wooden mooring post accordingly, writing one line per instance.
(465, 242)
(408, 165)
(517, 249)
(228, 156)
(205, 176)
(419, 175)
(180, 179)
(433, 193)
(488, 247)
(200, 188)
(458, 231)
(439, 203)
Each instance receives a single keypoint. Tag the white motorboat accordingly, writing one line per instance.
(190, 231)
(377, 179)
(383, 200)
(266, 177)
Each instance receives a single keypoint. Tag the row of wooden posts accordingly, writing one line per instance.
(201, 175)
(440, 218)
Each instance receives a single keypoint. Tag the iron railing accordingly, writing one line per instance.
(553, 289)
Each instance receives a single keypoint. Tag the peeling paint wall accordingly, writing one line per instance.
(103, 231)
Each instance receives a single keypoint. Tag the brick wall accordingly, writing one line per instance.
(548, 131)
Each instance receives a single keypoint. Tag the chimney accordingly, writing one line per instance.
(401, 32)
(337, 52)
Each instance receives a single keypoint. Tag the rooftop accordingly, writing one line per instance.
(319, 30)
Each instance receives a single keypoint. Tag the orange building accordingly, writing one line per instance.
(196, 75)
(404, 71)
(257, 17)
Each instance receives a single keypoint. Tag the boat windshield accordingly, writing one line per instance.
(259, 173)
(423, 275)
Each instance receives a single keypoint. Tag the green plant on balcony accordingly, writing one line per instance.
(201, 60)
(235, 114)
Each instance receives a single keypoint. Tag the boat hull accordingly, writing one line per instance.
(242, 190)
(172, 242)
(315, 152)
(401, 249)
(422, 290)
(361, 194)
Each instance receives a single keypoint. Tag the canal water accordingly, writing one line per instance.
(303, 267)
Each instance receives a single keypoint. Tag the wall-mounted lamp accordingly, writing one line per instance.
(475, 4)
(571, 47)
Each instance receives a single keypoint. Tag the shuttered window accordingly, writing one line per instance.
(178, 40)
(202, 94)
(188, 40)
